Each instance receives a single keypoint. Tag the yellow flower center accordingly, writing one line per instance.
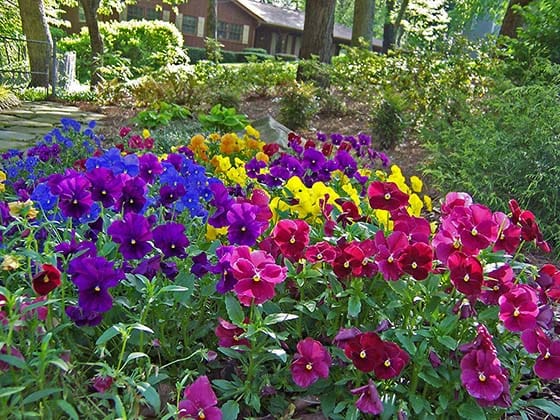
(235, 337)
(387, 363)
(133, 242)
(131, 201)
(292, 240)
(466, 278)
(256, 278)
(482, 377)
(346, 264)
(46, 279)
(309, 367)
(170, 195)
(390, 259)
(243, 229)
(502, 237)
(172, 246)
(414, 265)
(474, 232)
(496, 288)
(201, 415)
(516, 312)
(74, 201)
(363, 354)
(547, 355)
(319, 256)
(456, 244)
(387, 196)
(97, 289)
(149, 171)
(103, 192)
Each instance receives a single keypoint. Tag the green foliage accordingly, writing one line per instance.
(508, 148)
(196, 54)
(141, 45)
(387, 120)
(541, 33)
(7, 98)
(159, 114)
(177, 132)
(223, 120)
(298, 105)
(214, 50)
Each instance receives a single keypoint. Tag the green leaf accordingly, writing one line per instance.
(6, 391)
(141, 327)
(418, 403)
(280, 353)
(175, 288)
(448, 342)
(119, 407)
(68, 409)
(230, 410)
(354, 306)
(549, 406)
(471, 411)
(12, 360)
(279, 317)
(39, 395)
(107, 335)
(151, 395)
(234, 310)
(135, 355)
(234, 354)
(431, 378)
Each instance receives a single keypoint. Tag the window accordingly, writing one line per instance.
(231, 31)
(138, 13)
(153, 14)
(189, 25)
(134, 12)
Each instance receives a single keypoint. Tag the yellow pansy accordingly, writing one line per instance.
(213, 233)
(222, 163)
(10, 263)
(428, 203)
(252, 132)
(2, 179)
(237, 175)
(262, 157)
(364, 172)
(416, 183)
(352, 193)
(382, 176)
(145, 133)
(415, 205)
(295, 185)
(398, 178)
(384, 218)
(26, 208)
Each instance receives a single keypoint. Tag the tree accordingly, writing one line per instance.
(362, 26)
(512, 19)
(318, 29)
(211, 25)
(391, 28)
(39, 40)
(90, 11)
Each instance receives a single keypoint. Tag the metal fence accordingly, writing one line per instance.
(15, 69)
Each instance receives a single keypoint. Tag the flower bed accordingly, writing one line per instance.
(229, 278)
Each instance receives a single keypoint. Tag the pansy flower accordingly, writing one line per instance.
(170, 238)
(311, 362)
(74, 197)
(519, 308)
(200, 401)
(292, 237)
(133, 234)
(229, 334)
(465, 273)
(361, 350)
(416, 260)
(368, 401)
(46, 280)
(244, 228)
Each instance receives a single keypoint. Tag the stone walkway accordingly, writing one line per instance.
(24, 125)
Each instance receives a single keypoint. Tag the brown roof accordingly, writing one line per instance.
(286, 18)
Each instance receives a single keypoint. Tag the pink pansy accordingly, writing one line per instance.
(311, 362)
(292, 237)
(455, 199)
(547, 365)
(466, 273)
(389, 250)
(256, 274)
(480, 374)
(200, 401)
(480, 230)
(509, 234)
(519, 308)
(386, 196)
(496, 283)
(368, 401)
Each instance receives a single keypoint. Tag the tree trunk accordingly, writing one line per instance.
(318, 30)
(362, 26)
(35, 28)
(211, 24)
(90, 11)
(388, 29)
(512, 20)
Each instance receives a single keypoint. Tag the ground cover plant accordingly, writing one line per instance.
(227, 278)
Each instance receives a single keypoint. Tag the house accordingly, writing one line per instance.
(241, 24)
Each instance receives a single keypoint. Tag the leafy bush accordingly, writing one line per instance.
(148, 45)
(7, 98)
(541, 32)
(388, 120)
(298, 105)
(159, 114)
(196, 54)
(223, 120)
(509, 147)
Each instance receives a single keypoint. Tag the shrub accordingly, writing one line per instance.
(223, 120)
(196, 54)
(286, 57)
(298, 105)
(509, 147)
(159, 114)
(388, 121)
(7, 98)
(148, 45)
